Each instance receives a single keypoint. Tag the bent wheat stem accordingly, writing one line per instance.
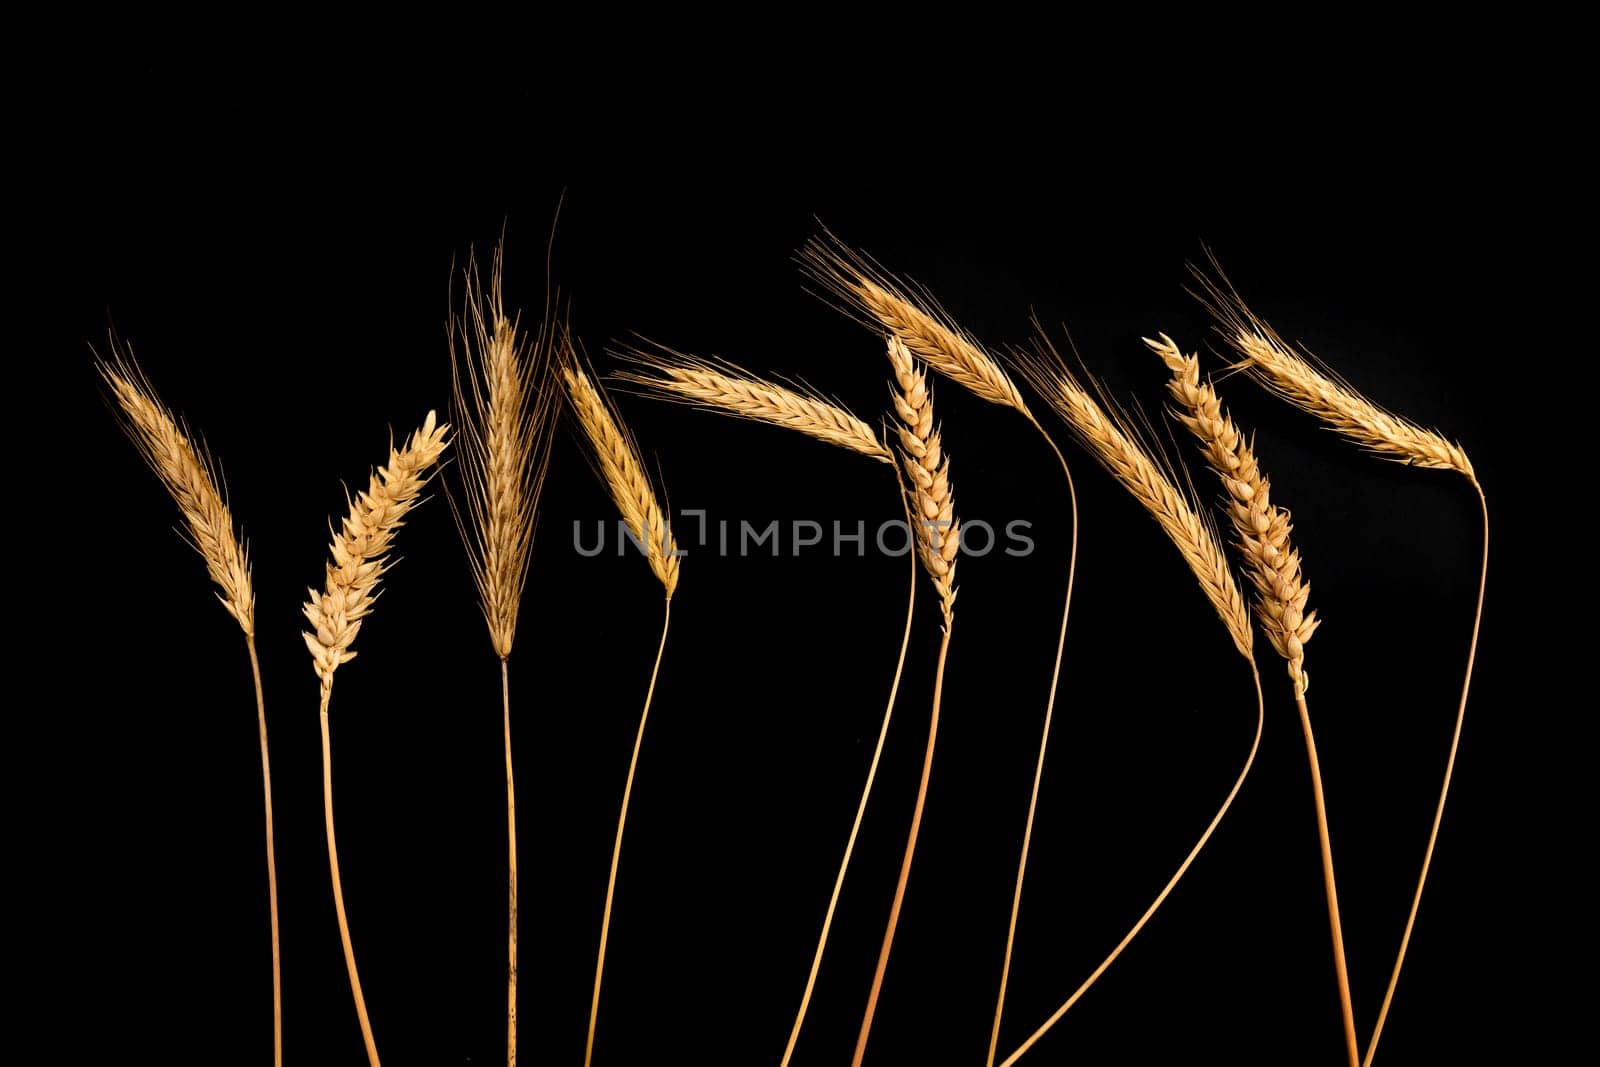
(1166, 890)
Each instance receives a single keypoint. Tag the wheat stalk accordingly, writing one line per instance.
(503, 406)
(716, 385)
(931, 333)
(1115, 444)
(1297, 378)
(359, 557)
(1261, 531)
(616, 458)
(930, 507)
(504, 403)
(185, 469)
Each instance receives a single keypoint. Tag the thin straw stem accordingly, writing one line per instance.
(338, 889)
(616, 848)
(1161, 897)
(511, 854)
(272, 863)
(911, 849)
(1341, 971)
(1444, 790)
(855, 827)
(1044, 741)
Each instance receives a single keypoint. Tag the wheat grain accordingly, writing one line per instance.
(361, 545)
(186, 470)
(503, 407)
(1114, 445)
(1261, 528)
(1297, 379)
(720, 386)
(927, 469)
(616, 456)
(930, 334)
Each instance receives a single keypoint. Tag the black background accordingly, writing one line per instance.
(280, 258)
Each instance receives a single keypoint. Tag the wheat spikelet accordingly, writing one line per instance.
(1297, 379)
(924, 329)
(186, 470)
(1114, 445)
(1261, 528)
(361, 545)
(717, 385)
(504, 416)
(927, 469)
(616, 456)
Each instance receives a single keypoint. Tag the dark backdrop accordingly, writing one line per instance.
(280, 257)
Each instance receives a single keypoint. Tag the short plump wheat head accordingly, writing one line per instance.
(616, 457)
(717, 385)
(1297, 378)
(1114, 444)
(503, 408)
(360, 547)
(1261, 528)
(927, 472)
(186, 470)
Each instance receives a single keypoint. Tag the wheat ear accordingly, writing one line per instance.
(504, 403)
(1261, 532)
(616, 458)
(930, 508)
(185, 469)
(1298, 379)
(911, 314)
(717, 385)
(358, 559)
(1115, 444)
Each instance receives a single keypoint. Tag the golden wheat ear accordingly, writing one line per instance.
(718, 385)
(874, 297)
(185, 469)
(1301, 379)
(615, 456)
(504, 404)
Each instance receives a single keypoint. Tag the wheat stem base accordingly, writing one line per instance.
(511, 854)
(272, 863)
(338, 889)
